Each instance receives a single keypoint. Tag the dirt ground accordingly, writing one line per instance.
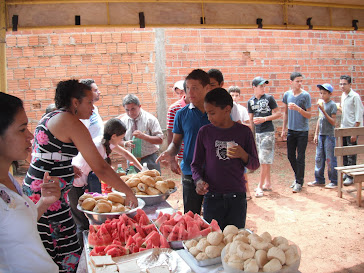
(328, 230)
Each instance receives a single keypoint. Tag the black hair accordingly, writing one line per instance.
(219, 97)
(346, 77)
(66, 90)
(87, 82)
(112, 126)
(295, 75)
(234, 89)
(184, 86)
(216, 74)
(9, 107)
(200, 75)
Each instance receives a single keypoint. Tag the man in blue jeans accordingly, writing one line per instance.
(297, 112)
(187, 122)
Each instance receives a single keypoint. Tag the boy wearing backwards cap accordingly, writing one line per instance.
(262, 110)
(325, 139)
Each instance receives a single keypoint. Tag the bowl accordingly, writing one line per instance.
(151, 200)
(293, 268)
(96, 218)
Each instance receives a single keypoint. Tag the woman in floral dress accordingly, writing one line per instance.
(58, 138)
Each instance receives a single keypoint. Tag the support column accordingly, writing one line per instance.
(3, 79)
(160, 72)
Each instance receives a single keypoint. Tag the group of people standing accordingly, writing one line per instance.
(211, 144)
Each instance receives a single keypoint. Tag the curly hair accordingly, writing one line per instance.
(66, 90)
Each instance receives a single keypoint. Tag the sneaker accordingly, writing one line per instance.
(331, 186)
(297, 188)
(294, 183)
(348, 181)
(315, 183)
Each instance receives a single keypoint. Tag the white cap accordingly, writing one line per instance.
(179, 85)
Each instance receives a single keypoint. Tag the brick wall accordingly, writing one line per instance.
(124, 61)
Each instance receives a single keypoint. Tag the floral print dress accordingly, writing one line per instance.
(56, 227)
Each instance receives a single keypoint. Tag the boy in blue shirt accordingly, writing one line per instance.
(325, 139)
(218, 172)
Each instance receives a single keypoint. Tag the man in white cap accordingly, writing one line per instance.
(172, 110)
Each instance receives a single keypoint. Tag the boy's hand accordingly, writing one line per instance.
(315, 140)
(258, 120)
(202, 187)
(238, 152)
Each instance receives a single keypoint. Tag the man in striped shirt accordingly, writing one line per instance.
(172, 110)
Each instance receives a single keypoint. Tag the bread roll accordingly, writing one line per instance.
(102, 207)
(141, 193)
(149, 173)
(88, 204)
(125, 178)
(117, 208)
(146, 179)
(170, 183)
(161, 186)
(142, 187)
(116, 197)
(83, 197)
(156, 172)
(158, 178)
(152, 191)
(134, 189)
(133, 182)
(215, 238)
(100, 197)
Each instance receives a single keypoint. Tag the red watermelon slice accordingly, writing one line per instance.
(214, 225)
(163, 242)
(149, 228)
(162, 219)
(205, 231)
(98, 251)
(153, 237)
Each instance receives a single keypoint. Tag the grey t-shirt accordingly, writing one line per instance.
(326, 128)
(296, 121)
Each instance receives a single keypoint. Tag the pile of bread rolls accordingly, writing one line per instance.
(211, 246)
(112, 202)
(206, 247)
(254, 253)
(148, 183)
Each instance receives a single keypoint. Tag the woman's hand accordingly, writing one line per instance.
(131, 200)
(50, 189)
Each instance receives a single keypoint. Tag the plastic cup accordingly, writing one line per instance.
(231, 144)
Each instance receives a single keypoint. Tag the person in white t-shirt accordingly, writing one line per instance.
(114, 132)
(21, 249)
(234, 92)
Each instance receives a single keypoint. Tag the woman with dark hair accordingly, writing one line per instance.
(58, 138)
(114, 132)
(21, 248)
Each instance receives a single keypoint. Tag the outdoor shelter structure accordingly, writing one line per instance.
(241, 14)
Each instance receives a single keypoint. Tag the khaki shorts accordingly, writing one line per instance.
(265, 146)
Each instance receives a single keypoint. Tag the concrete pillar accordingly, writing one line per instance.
(160, 73)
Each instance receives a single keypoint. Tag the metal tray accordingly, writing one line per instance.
(147, 259)
(207, 262)
(151, 200)
(96, 218)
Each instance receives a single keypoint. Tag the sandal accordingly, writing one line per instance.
(265, 188)
(259, 193)
(248, 197)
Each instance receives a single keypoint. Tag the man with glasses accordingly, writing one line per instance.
(352, 116)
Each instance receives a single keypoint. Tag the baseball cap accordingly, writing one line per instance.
(259, 81)
(179, 85)
(326, 86)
